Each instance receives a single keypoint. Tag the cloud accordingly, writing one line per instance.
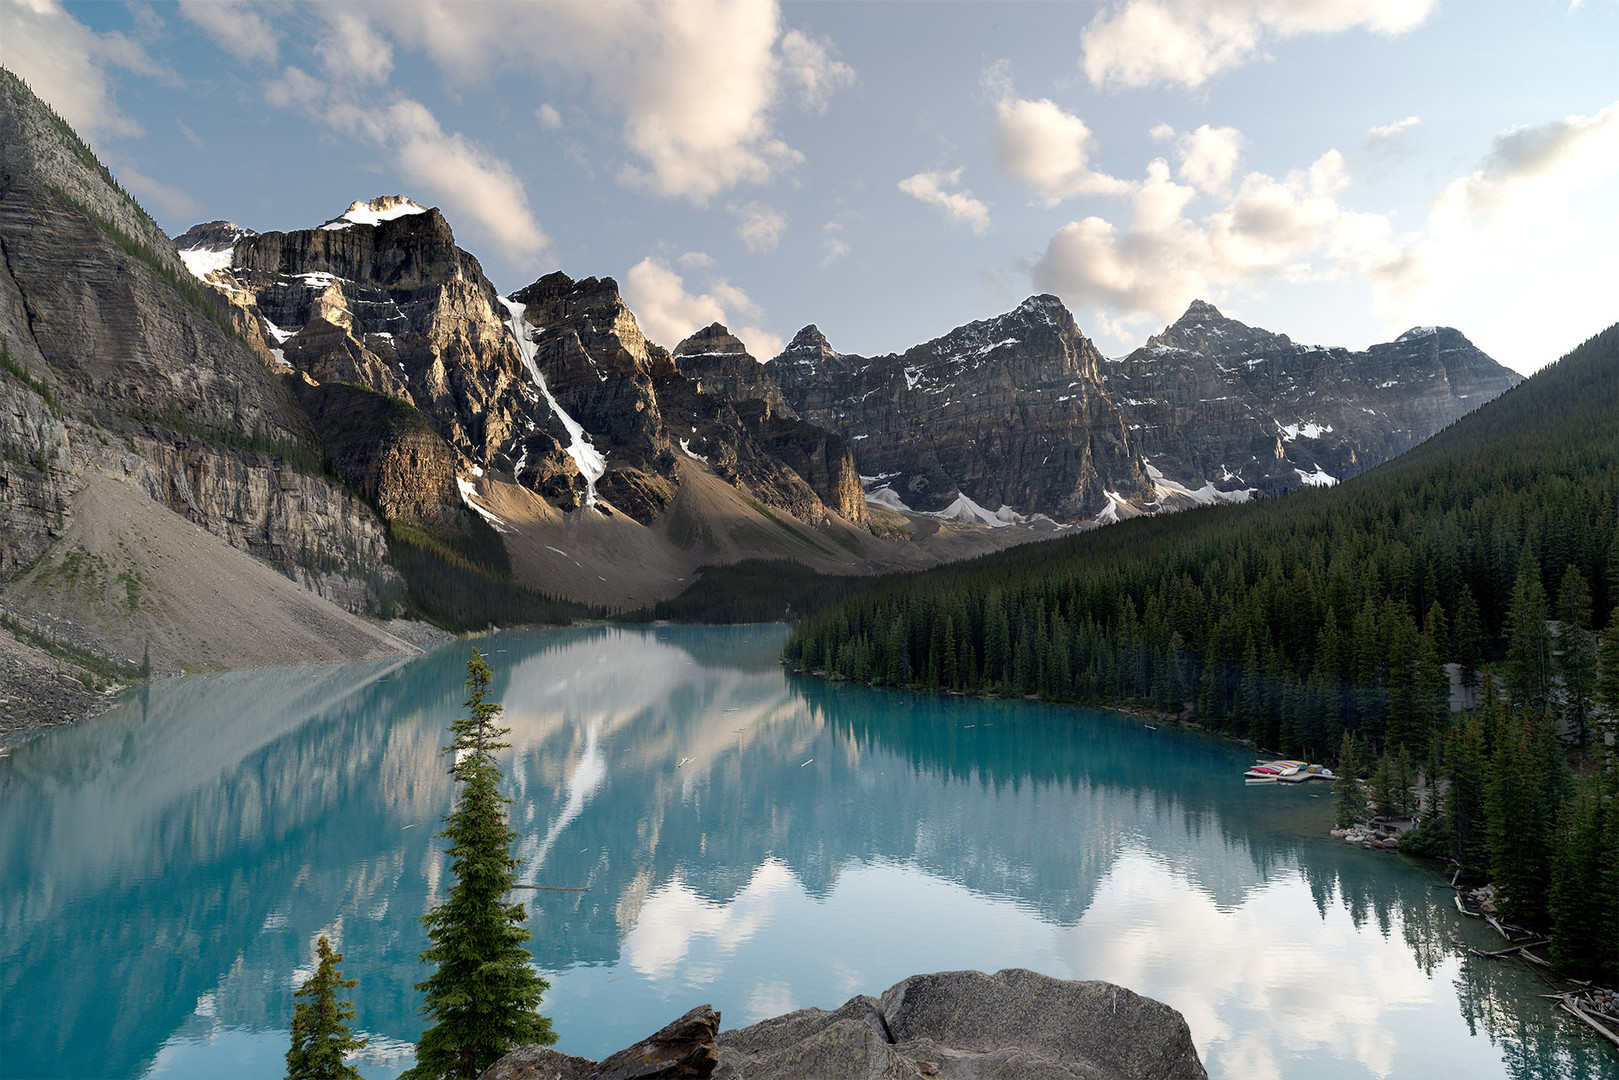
(808, 67)
(1387, 132)
(1209, 157)
(833, 245)
(549, 118)
(66, 63)
(759, 226)
(1049, 150)
(350, 49)
(170, 202)
(469, 181)
(234, 27)
(696, 82)
(668, 313)
(1531, 170)
(696, 260)
(959, 206)
(1146, 42)
(1292, 228)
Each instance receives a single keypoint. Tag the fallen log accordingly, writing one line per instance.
(1573, 1009)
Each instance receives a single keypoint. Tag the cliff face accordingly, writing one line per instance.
(1211, 400)
(1009, 411)
(1021, 412)
(555, 386)
(642, 415)
(117, 364)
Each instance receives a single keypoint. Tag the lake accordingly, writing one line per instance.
(751, 839)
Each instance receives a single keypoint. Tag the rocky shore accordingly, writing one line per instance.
(1013, 1025)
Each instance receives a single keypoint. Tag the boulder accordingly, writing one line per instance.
(956, 1025)
(682, 1050)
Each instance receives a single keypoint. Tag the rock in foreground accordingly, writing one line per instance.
(1013, 1025)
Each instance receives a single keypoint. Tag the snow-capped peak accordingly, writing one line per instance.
(1418, 332)
(375, 211)
(208, 248)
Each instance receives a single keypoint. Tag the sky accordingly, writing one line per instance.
(1336, 170)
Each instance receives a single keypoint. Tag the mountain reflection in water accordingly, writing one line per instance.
(754, 840)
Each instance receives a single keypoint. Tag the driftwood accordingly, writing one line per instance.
(550, 888)
(1464, 911)
(1572, 1007)
(1510, 949)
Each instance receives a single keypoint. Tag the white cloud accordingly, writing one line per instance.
(959, 205)
(1533, 170)
(833, 245)
(1386, 132)
(668, 313)
(549, 118)
(471, 183)
(169, 201)
(1146, 42)
(66, 64)
(1050, 150)
(351, 49)
(695, 81)
(467, 179)
(808, 67)
(234, 27)
(696, 260)
(1209, 157)
(1291, 228)
(759, 226)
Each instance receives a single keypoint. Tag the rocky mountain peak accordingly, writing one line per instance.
(809, 346)
(713, 340)
(210, 247)
(1204, 329)
(375, 212)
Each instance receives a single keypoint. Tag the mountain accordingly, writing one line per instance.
(121, 376)
(1211, 401)
(1010, 412)
(1021, 413)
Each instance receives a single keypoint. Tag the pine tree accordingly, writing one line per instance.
(1576, 654)
(1606, 686)
(1529, 652)
(320, 1032)
(484, 997)
(1351, 796)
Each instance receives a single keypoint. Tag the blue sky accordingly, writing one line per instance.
(1338, 170)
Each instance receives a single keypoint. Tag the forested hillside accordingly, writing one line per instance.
(1319, 624)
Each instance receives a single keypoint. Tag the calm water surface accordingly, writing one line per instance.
(748, 839)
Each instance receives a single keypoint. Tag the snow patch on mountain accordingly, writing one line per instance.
(1308, 429)
(375, 212)
(592, 463)
(1319, 478)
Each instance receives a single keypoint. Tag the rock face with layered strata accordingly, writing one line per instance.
(118, 364)
(1009, 411)
(1212, 400)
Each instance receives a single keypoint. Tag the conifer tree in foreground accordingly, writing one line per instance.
(320, 1032)
(484, 998)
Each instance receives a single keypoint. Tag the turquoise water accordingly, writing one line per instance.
(749, 839)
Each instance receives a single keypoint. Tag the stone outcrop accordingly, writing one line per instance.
(1013, 1025)
(1009, 411)
(1214, 401)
